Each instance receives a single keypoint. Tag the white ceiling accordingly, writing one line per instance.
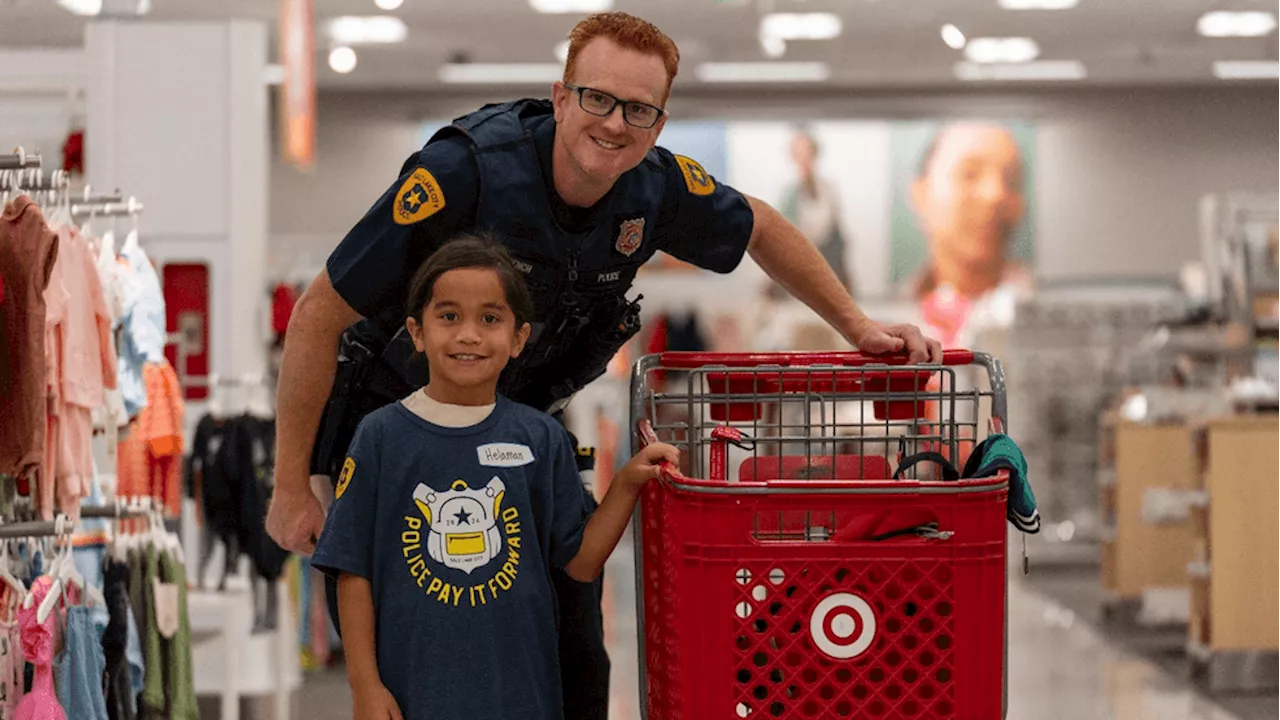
(885, 43)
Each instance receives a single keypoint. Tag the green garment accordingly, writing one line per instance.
(153, 695)
(180, 683)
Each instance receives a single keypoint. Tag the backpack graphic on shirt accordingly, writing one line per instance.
(464, 523)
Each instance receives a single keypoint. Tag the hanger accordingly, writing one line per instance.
(131, 240)
(215, 397)
(6, 576)
(52, 599)
(60, 214)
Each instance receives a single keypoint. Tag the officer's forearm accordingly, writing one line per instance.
(788, 257)
(307, 368)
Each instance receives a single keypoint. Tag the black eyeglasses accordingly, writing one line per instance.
(636, 114)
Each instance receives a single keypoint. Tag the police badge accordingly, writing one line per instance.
(630, 235)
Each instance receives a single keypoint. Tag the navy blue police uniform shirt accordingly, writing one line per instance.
(456, 530)
(699, 220)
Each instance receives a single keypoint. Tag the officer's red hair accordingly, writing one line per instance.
(628, 31)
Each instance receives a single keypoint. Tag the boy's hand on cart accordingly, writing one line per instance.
(875, 338)
(648, 464)
(374, 702)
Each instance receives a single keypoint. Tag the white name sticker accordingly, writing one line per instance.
(504, 455)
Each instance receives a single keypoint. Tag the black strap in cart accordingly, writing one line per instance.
(949, 472)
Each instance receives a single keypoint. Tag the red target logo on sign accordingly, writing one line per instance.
(843, 626)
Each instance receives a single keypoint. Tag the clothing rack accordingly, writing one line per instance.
(19, 160)
(43, 528)
(59, 180)
(113, 206)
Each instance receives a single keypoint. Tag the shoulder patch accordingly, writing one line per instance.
(419, 198)
(696, 179)
(344, 477)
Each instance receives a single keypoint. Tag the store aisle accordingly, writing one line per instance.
(1060, 667)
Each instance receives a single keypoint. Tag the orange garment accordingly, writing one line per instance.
(28, 249)
(149, 459)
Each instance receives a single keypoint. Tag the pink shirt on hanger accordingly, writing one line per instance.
(89, 355)
(88, 368)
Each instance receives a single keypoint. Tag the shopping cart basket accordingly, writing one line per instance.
(783, 572)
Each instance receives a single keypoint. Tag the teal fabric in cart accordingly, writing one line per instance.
(1000, 452)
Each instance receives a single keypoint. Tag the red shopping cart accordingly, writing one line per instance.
(807, 560)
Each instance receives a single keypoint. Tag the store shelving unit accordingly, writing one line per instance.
(1233, 631)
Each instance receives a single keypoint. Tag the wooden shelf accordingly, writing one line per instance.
(1238, 536)
(1145, 556)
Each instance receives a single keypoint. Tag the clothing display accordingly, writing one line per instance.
(84, 332)
(78, 669)
(149, 460)
(28, 251)
(84, 660)
(41, 703)
(231, 473)
(69, 306)
(120, 698)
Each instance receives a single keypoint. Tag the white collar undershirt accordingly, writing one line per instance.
(445, 414)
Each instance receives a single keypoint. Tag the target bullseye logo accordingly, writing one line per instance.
(843, 626)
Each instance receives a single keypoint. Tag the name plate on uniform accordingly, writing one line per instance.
(504, 455)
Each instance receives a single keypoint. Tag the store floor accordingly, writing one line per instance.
(1062, 665)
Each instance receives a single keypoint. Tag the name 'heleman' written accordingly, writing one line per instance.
(504, 454)
(492, 455)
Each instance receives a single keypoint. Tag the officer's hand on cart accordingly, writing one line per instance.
(374, 702)
(648, 464)
(875, 338)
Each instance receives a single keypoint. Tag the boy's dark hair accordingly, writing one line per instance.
(470, 251)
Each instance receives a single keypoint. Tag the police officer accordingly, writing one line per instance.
(577, 191)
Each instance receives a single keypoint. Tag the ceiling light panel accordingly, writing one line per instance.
(560, 7)
(952, 36)
(501, 73)
(1042, 70)
(1038, 4)
(801, 26)
(370, 30)
(730, 72)
(1002, 50)
(388, 5)
(1236, 24)
(1246, 69)
(88, 8)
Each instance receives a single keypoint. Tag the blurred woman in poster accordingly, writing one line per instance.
(968, 198)
(812, 205)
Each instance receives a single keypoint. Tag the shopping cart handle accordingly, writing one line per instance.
(649, 437)
(680, 360)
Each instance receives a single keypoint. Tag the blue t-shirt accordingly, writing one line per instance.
(456, 529)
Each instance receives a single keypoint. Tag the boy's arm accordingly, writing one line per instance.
(603, 532)
(355, 613)
(370, 698)
(609, 521)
